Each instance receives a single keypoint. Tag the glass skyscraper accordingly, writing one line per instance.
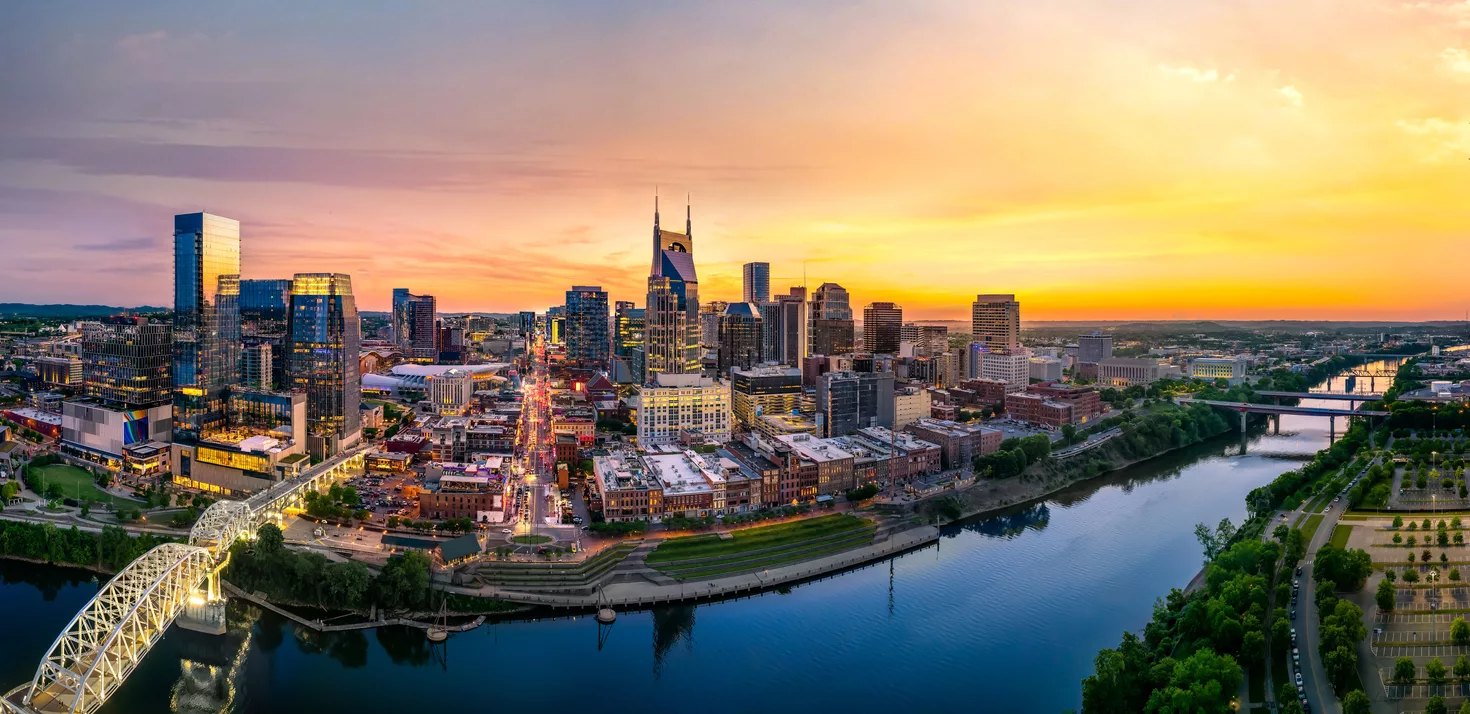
(325, 337)
(206, 333)
(588, 344)
(125, 361)
(264, 312)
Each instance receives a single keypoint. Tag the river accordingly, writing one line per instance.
(1005, 614)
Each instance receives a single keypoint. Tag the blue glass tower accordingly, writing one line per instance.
(206, 335)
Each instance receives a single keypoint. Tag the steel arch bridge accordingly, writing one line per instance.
(111, 634)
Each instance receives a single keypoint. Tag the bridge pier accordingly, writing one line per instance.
(205, 610)
(1331, 430)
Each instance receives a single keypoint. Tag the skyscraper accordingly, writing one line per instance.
(848, 401)
(740, 337)
(1095, 347)
(325, 340)
(125, 361)
(757, 283)
(672, 310)
(995, 321)
(400, 318)
(831, 317)
(629, 319)
(206, 333)
(587, 340)
(793, 327)
(528, 323)
(882, 328)
(423, 329)
(264, 316)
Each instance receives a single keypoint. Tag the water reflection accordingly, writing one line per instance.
(211, 672)
(671, 625)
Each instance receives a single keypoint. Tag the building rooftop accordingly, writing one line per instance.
(43, 417)
(683, 473)
(813, 449)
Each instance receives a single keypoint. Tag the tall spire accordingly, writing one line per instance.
(688, 217)
(657, 239)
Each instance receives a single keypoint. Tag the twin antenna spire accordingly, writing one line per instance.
(688, 212)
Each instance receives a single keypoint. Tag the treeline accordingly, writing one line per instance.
(110, 550)
(310, 579)
(1291, 488)
(1013, 456)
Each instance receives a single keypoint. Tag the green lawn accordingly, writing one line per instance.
(760, 538)
(77, 483)
(1310, 527)
(725, 567)
(1340, 536)
(531, 539)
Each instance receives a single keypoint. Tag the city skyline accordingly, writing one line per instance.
(1143, 161)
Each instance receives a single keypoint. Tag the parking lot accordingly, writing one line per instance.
(382, 494)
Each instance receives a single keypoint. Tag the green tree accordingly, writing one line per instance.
(1390, 575)
(269, 540)
(1340, 664)
(1398, 538)
(1281, 532)
(1460, 631)
(1435, 705)
(1411, 575)
(1435, 671)
(1207, 541)
(1356, 702)
(1403, 671)
(1203, 681)
(1462, 668)
(1398, 521)
(1385, 595)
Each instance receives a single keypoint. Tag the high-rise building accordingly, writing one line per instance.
(673, 405)
(1012, 366)
(629, 320)
(770, 331)
(528, 323)
(206, 330)
(423, 329)
(740, 337)
(757, 283)
(671, 312)
(995, 321)
(1095, 347)
(793, 328)
(125, 361)
(759, 391)
(588, 344)
(882, 328)
(399, 318)
(709, 323)
(264, 317)
(848, 401)
(255, 366)
(323, 363)
(831, 319)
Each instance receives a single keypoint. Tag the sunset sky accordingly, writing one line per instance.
(1102, 159)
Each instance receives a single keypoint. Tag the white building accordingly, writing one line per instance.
(1046, 369)
(450, 392)
(679, 403)
(1013, 368)
(910, 405)
(1229, 368)
(1125, 371)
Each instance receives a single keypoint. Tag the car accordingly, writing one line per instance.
(1306, 705)
(1293, 632)
(1329, 506)
(1296, 584)
(1298, 678)
(1298, 570)
(1296, 655)
(507, 531)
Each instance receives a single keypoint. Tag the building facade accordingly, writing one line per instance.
(1094, 348)
(676, 406)
(264, 319)
(1231, 369)
(995, 321)
(831, 319)
(848, 401)
(1012, 367)
(671, 312)
(587, 339)
(741, 337)
(325, 341)
(206, 329)
(882, 328)
(125, 361)
(757, 283)
(763, 391)
(450, 392)
(1126, 371)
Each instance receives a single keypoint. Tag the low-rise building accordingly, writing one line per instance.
(452, 495)
(388, 461)
(909, 405)
(1127, 371)
(1086, 402)
(829, 464)
(983, 392)
(1046, 369)
(1037, 409)
(959, 443)
(1232, 369)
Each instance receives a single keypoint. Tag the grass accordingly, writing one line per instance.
(1340, 536)
(1310, 527)
(531, 539)
(759, 538)
(726, 567)
(78, 483)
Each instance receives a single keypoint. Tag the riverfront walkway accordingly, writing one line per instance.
(644, 594)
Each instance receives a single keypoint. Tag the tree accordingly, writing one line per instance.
(1204, 681)
(1460, 631)
(1340, 664)
(1390, 575)
(1281, 532)
(1413, 541)
(1462, 668)
(1253, 647)
(1207, 540)
(1385, 596)
(1435, 671)
(1411, 575)
(1426, 525)
(1224, 533)
(269, 539)
(1465, 705)
(1344, 568)
(1356, 702)
(1397, 539)
(1398, 521)
(1403, 671)
(1435, 705)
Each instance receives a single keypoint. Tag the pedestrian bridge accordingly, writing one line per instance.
(111, 634)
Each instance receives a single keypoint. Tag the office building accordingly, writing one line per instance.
(848, 401)
(588, 343)
(680, 408)
(709, 324)
(125, 361)
(1094, 348)
(399, 321)
(831, 320)
(628, 319)
(450, 392)
(757, 283)
(959, 443)
(59, 371)
(1046, 369)
(771, 331)
(1085, 401)
(1125, 371)
(255, 365)
(1231, 369)
(1012, 367)
(910, 404)
(206, 329)
(555, 325)
(824, 461)
(325, 341)
(792, 329)
(262, 441)
(995, 322)
(528, 323)
(423, 332)
(741, 336)
(758, 391)
(882, 328)
(671, 312)
(264, 319)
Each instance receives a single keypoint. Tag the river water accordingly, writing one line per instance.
(1005, 614)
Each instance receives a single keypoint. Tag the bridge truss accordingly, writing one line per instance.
(104, 642)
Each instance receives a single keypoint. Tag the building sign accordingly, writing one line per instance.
(135, 427)
(231, 459)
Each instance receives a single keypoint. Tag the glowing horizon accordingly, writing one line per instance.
(1189, 159)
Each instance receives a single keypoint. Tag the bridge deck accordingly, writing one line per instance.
(1324, 395)
(1277, 409)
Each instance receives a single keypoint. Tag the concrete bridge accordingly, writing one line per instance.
(1276, 410)
(1349, 398)
(107, 639)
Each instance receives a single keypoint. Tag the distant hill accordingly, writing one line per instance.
(69, 312)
